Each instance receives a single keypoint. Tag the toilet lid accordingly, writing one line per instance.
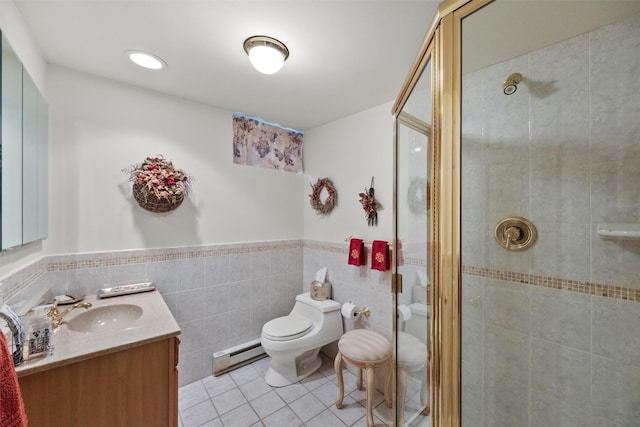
(286, 328)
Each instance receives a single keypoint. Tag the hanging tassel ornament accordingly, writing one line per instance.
(370, 205)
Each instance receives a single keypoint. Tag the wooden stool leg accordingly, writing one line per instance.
(371, 385)
(338, 367)
(359, 383)
(401, 394)
(387, 385)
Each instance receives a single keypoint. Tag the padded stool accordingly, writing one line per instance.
(412, 357)
(366, 350)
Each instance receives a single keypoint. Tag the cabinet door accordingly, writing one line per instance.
(43, 168)
(29, 159)
(11, 149)
(34, 162)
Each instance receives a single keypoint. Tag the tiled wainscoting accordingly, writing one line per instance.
(221, 295)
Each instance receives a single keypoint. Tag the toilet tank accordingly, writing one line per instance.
(315, 310)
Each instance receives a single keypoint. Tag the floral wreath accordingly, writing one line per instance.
(418, 196)
(323, 208)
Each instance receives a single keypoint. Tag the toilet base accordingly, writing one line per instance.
(304, 367)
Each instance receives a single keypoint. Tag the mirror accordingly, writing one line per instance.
(11, 148)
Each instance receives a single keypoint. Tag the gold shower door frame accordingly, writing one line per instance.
(443, 45)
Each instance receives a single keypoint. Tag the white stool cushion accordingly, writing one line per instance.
(364, 346)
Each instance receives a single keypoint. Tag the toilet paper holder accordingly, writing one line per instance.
(362, 311)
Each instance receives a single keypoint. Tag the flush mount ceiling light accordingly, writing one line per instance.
(266, 54)
(145, 59)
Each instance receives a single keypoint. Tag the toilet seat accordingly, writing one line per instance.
(286, 328)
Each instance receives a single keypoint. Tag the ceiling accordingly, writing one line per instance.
(345, 55)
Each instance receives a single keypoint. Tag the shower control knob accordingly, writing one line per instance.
(516, 233)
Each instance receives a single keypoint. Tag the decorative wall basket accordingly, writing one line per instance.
(152, 203)
(157, 185)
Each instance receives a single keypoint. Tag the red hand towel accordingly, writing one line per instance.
(399, 254)
(380, 255)
(12, 413)
(356, 252)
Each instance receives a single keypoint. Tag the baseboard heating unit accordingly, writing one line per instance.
(235, 357)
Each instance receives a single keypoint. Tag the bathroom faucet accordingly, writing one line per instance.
(57, 316)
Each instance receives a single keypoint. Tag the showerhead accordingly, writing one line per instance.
(510, 85)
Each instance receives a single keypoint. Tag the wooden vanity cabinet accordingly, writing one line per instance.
(137, 386)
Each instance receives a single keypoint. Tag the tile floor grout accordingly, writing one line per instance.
(242, 398)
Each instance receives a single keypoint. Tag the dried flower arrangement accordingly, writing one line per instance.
(157, 185)
(323, 207)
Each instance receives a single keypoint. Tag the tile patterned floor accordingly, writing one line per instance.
(242, 398)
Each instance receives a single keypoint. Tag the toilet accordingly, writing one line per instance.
(294, 341)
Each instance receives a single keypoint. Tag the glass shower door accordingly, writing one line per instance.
(551, 133)
(412, 260)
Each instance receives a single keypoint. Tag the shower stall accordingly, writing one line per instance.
(533, 232)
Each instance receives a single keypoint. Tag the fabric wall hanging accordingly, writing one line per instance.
(157, 185)
(322, 186)
(266, 145)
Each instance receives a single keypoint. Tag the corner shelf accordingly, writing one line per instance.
(619, 231)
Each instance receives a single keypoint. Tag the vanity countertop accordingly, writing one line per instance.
(156, 323)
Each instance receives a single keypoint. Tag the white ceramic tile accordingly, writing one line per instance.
(242, 416)
(218, 385)
(255, 388)
(307, 407)
(283, 417)
(292, 392)
(198, 414)
(192, 394)
(228, 401)
(267, 404)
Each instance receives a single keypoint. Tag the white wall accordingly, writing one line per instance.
(99, 127)
(350, 151)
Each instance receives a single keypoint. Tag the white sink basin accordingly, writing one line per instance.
(105, 318)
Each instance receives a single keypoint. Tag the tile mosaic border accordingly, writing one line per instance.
(145, 256)
(596, 289)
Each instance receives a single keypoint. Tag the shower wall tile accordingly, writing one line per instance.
(472, 364)
(615, 330)
(615, 61)
(561, 317)
(506, 404)
(561, 194)
(562, 250)
(472, 297)
(506, 357)
(615, 391)
(615, 261)
(507, 305)
(548, 411)
(561, 372)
